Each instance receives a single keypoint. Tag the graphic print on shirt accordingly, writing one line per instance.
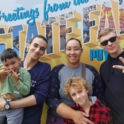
(33, 83)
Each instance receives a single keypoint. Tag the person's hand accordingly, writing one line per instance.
(120, 66)
(4, 72)
(15, 76)
(2, 103)
(81, 118)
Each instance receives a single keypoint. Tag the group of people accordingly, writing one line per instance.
(74, 91)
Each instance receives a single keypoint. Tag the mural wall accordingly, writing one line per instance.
(59, 20)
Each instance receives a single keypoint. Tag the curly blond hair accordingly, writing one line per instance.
(76, 82)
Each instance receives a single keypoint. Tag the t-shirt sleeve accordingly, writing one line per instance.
(54, 96)
(24, 83)
(41, 90)
(97, 85)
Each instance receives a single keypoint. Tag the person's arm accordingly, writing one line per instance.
(98, 88)
(41, 90)
(1, 73)
(22, 82)
(77, 116)
(53, 95)
(56, 104)
(24, 102)
(4, 72)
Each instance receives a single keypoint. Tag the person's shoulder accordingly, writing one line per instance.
(91, 68)
(58, 67)
(23, 71)
(105, 62)
(43, 63)
(104, 65)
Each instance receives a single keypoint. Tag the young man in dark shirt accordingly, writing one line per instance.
(40, 78)
(113, 78)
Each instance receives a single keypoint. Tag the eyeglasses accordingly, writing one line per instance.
(112, 39)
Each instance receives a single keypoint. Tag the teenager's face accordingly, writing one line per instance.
(79, 95)
(37, 48)
(111, 47)
(73, 52)
(13, 63)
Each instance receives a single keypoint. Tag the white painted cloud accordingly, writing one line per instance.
(40, 8)
(8, 6)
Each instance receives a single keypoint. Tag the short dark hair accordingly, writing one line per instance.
(8, 54)
(74, 39)
(38, 36)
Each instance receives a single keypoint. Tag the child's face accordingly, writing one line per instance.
(12, 63)
(79, 95)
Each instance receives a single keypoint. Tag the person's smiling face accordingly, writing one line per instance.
(37, 48)
(79, 95)
(73, 52)
(112, 45)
